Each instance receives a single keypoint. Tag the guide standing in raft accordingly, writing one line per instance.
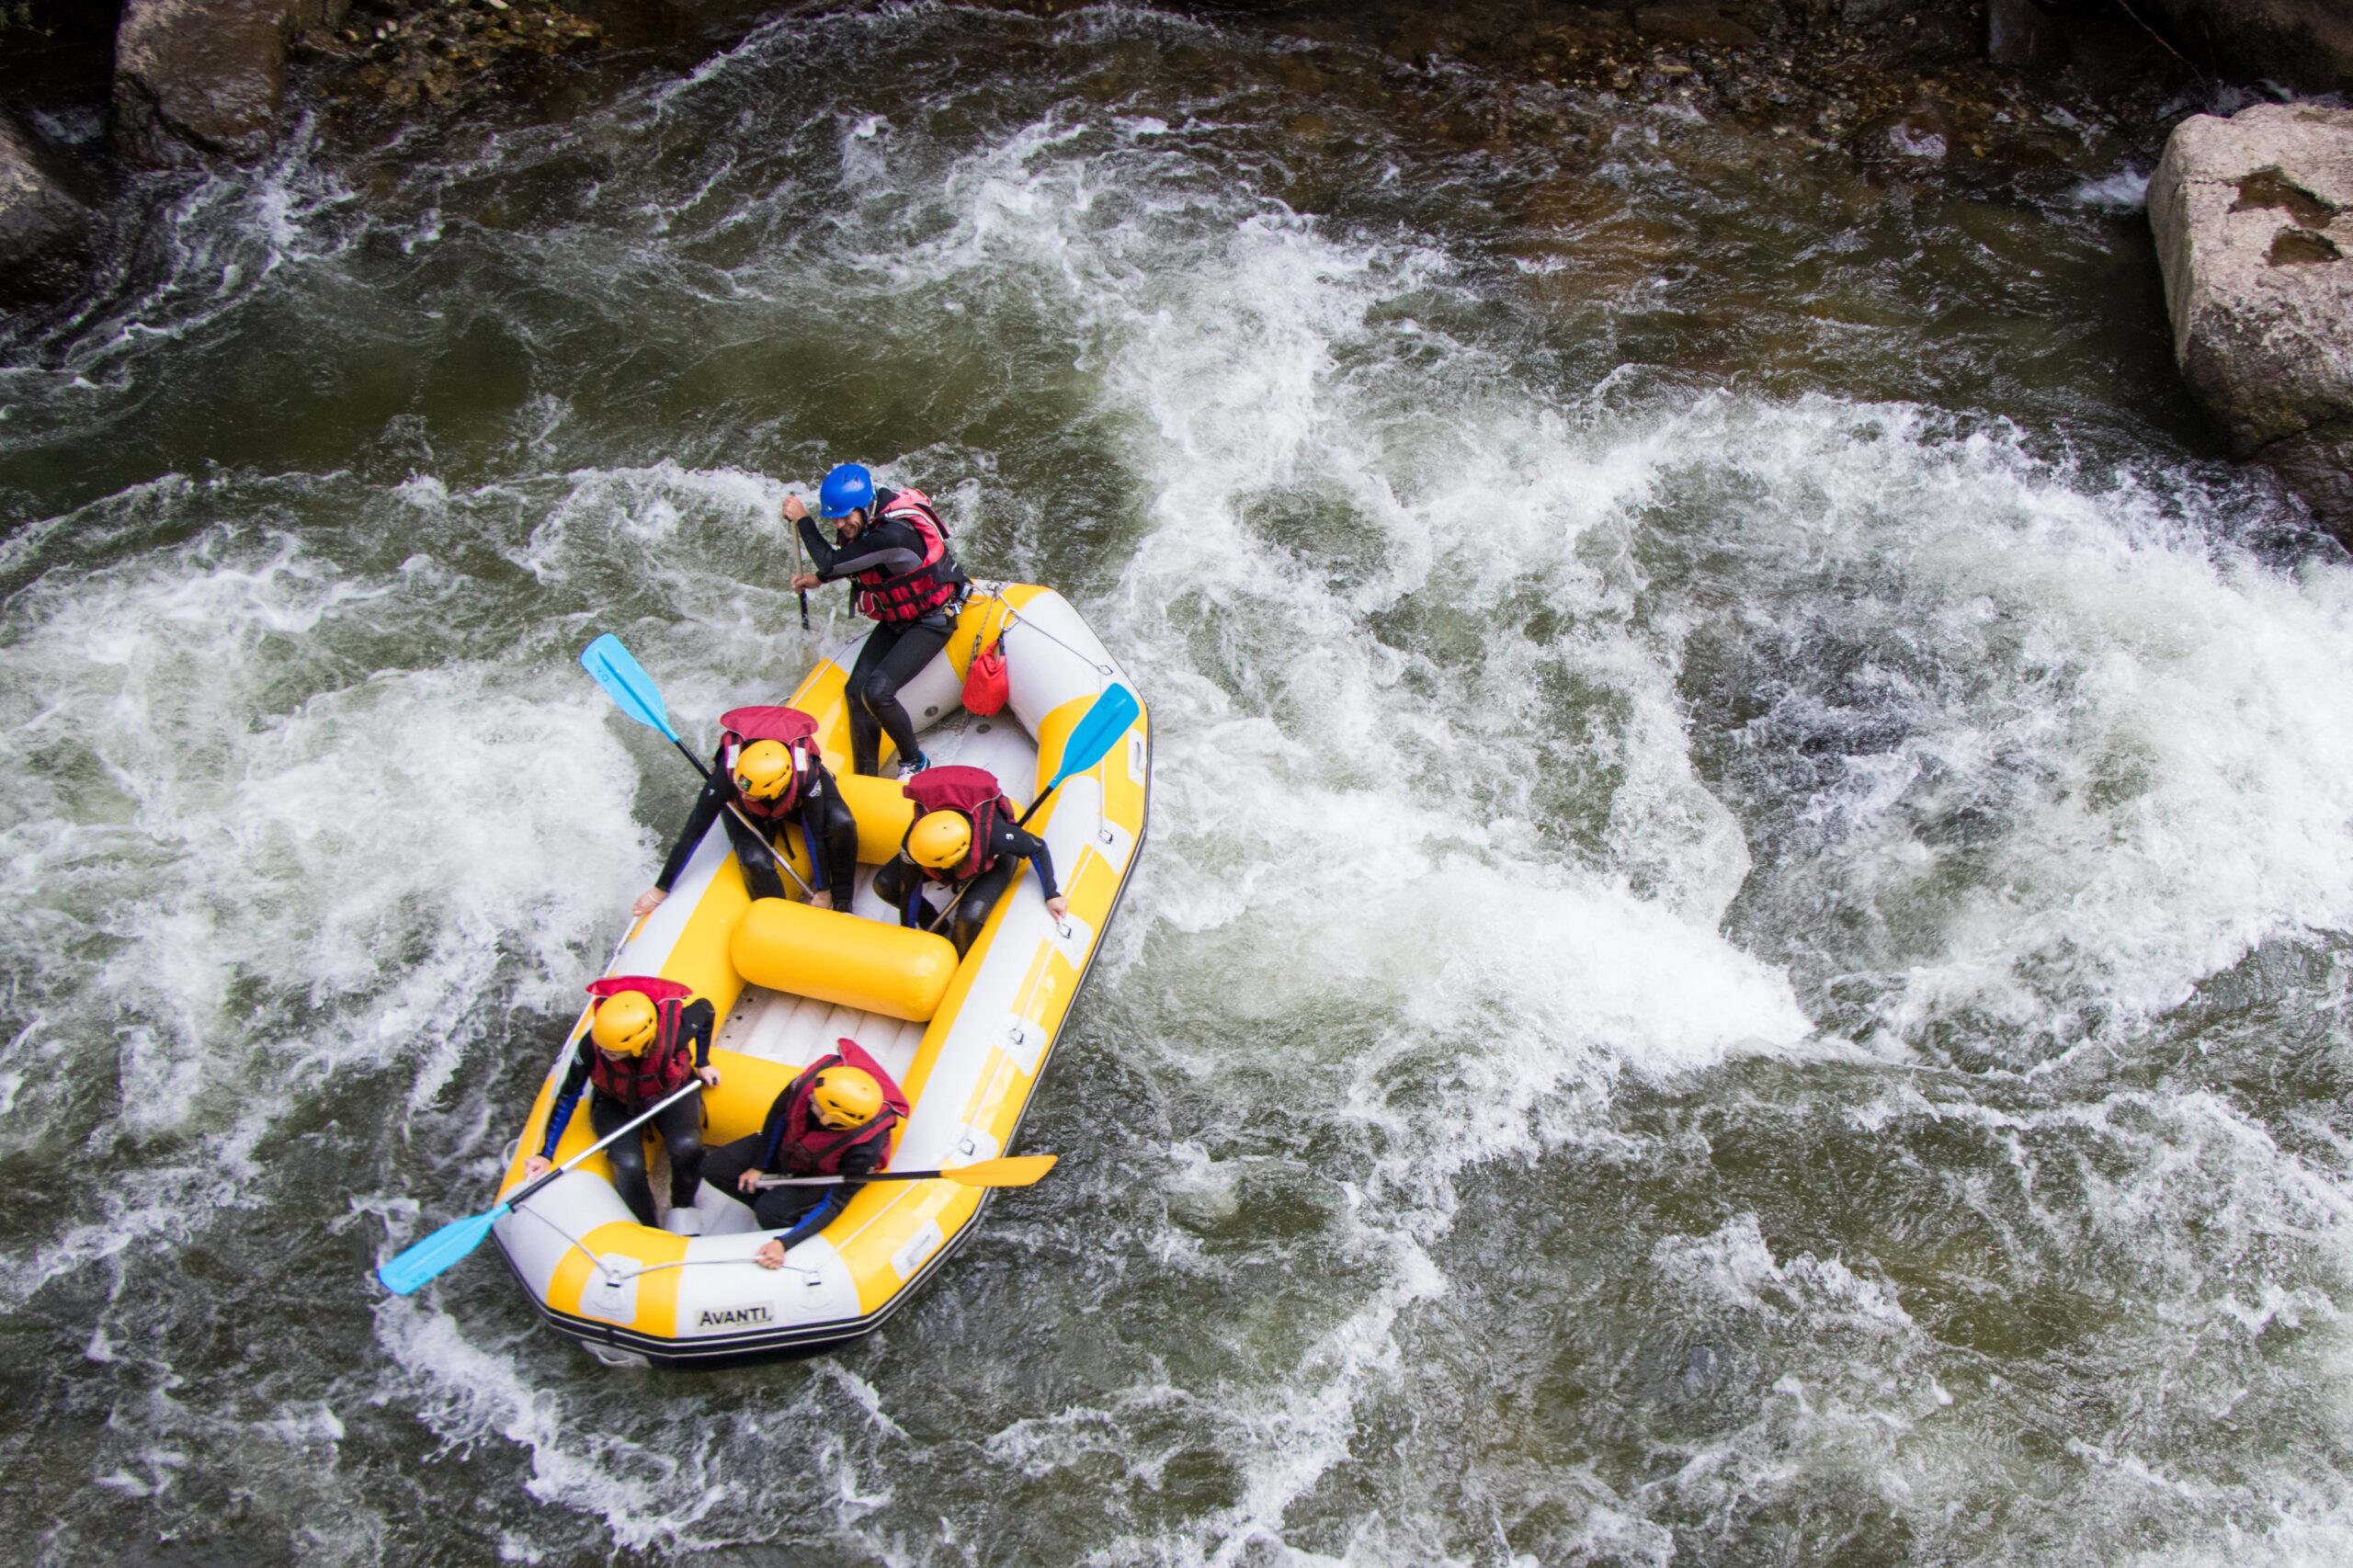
(892, 545)
(834, 1118)
(645, 1041)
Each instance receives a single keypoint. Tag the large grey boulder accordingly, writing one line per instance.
(204, 77)
(2306, 44)
(45, 228)
(2253, 219)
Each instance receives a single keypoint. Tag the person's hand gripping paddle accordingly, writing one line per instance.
(409, 1272)
(1090, 741)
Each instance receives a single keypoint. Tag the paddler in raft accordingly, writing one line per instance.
(893, 547)
(645, 1041)
(769, 769)
(834, 1118)
(966, 841)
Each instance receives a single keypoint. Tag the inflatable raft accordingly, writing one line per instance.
(969, 1041)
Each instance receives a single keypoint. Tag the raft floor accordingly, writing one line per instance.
(781, 1026)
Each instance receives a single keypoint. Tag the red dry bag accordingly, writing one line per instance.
(986, 686)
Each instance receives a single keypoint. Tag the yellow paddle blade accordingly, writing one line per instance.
(1014, 1170)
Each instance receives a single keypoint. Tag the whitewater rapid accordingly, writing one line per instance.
(1736, 963)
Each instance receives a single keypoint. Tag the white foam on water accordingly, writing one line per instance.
(2126, 190)
(2141, 709)
(281, 835)
(648, 1496)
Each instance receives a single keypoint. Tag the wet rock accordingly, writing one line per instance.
(199, 77)
(1695, 22)
(2254, 221)
(2020, 32)
(45, 227)
(2306, 44)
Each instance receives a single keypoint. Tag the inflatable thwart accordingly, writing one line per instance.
(968, 1040)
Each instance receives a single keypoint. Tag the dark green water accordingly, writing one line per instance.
(1744, 957)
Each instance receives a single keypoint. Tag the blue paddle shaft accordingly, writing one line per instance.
(409, 1272)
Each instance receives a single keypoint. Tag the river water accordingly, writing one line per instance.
(1743, 953)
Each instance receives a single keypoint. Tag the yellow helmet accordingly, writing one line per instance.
(940, 839)
(762, 769)
(626, 1023)
(846, 1096)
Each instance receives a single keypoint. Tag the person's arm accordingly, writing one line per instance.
(1011, 840)
(708, 806)
(886, 547)
(560, 1114)
(772, 1130)
(695, 1021)
(862, 1161)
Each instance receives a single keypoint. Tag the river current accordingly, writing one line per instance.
(1742, 958)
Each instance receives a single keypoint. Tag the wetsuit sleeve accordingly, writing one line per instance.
(707, 808)
(886, 547)
(1011, 840)
(864, 1160)
(695, 1020)
(772, 1130)
(566, 1098)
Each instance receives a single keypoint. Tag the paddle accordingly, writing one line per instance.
(633, 692)
(799, 566)
(1089, 743)
(408, 1272)
(1014, 1170)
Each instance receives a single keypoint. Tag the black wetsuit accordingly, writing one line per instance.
(824, 819)
(894, 651)
(797, 1211)
(901, 884)
(680, 1126)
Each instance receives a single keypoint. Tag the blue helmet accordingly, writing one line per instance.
(846, 489)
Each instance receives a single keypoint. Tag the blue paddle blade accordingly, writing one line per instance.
(408, 1273)
(626, 682)
(1098, 732)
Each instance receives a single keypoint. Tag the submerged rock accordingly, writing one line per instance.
(2252, 233)
(45, 228)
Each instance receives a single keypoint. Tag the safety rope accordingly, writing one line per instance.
(1103, 670)
(617, 1275)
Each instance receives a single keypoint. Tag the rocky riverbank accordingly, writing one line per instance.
(1986, 95)
(2014, 99)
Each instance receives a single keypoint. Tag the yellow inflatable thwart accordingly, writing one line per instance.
(842, 958)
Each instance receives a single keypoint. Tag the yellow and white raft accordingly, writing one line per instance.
(968, 1040)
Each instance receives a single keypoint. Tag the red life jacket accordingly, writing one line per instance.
(973, 793)
(809, 1147)
(911, 595)
(660, 1070)
(739, 727)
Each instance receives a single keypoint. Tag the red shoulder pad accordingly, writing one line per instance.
(657, 991)
(952, 787)
(786, 724)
